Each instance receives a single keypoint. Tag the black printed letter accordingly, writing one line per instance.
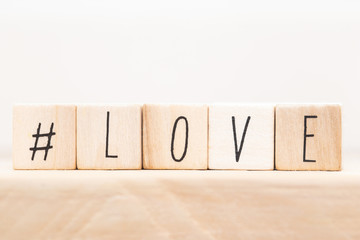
(305, 136)
(238, 152)
(107, 138)
(173, 138)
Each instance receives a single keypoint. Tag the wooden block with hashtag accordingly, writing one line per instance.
(241, 137)
(109, 137)
(175, 136)
(308, 137)
(44, 137)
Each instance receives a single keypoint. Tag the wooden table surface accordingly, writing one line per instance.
(169, 204)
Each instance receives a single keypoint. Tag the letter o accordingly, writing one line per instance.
(173, 138)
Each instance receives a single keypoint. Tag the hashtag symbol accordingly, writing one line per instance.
(37, 136)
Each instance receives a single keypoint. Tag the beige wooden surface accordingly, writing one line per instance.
(178, 204)
(28, 119)
(159, 122)
(324, 148)
(258, 146)
(124, 137)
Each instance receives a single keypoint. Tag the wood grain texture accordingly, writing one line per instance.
(324, 147)
(123, 137)
(168, 204)
(257, 151)
(26, 120)
(158, 127)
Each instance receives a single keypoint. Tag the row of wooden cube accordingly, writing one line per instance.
(249, 137)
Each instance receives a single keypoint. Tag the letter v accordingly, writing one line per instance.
(238, 149)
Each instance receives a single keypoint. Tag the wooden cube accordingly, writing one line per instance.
(308, 137)
(175, 136)
(44, 137)
(241, 137)
(109, 137)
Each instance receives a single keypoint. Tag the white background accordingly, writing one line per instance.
(180, 51)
